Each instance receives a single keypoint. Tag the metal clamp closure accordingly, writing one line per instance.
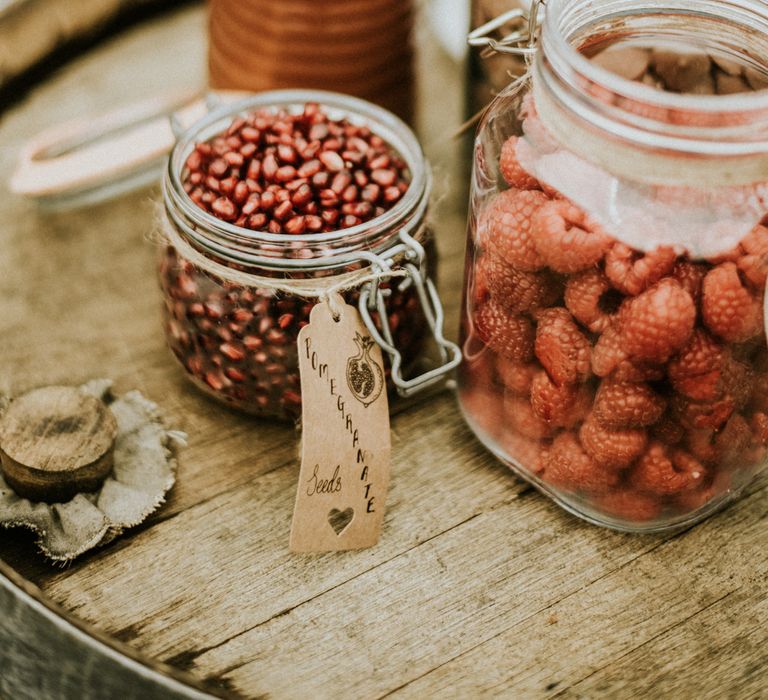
(372, 297)
(521, 41)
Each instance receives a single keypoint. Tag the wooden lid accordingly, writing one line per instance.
(55, 442)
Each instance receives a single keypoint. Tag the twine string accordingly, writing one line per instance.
(322, 288)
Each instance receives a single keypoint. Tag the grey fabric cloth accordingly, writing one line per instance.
(144, 471)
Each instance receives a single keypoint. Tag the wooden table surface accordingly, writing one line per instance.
(479, 585)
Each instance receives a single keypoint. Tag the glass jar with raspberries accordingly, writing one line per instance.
(613, 328)
(272, 203)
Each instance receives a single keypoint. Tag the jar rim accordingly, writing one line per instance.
(643, 133)
(383, 123)
(744, 101)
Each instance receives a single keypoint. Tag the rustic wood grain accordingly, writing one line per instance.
(479, 586)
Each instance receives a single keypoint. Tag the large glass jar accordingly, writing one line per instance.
(613, 333)
(235, 299)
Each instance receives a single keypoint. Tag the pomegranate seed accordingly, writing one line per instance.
(283, 210)
(252, 342)
(257, 221)
(371, 192)
(224, 209)
(218, 168)
(252, 204)
(234, 158)
(248, 150)
(331, 160)
(295, 225)
(328, 198)
(286, 153)
(232, 352)
(384, 177)
(269, 167)
(234, 374)
(214, 380)
(227, 185)
(285, 173)
(302, 195)
(310, 168)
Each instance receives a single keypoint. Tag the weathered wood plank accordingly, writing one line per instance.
(636, 630)
(237, 566)
(415, 612)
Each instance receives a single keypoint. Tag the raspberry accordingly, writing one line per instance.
(610, 359)
(632, 271)
(668, 431)
(658, 322)
(567, 238)
(479, 284)
(506, 227)
(561, 347)
(615, 449)
(690, 276)
(633, 372)
(505, 333)
(528, 453)
(516, 376)
(567, 466)
(729, 309)
(511, 169)
(754, 262)
(630, 505)
(517, 290)
(665, 472)
(722, 447)
(608, 352)
(624, 405)
(701, 444)
(737, 380)
(760, 393)
(478, 369)
(562, 406)
(591, 300)
(520, 418)
(733, 439)
(759, 424)
(702, 414)
(483, 407)
(690, 501)
(696, 371)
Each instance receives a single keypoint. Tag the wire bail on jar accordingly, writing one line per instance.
(521, 41)
(372, 298)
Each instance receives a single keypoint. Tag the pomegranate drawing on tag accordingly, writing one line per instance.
(365, 377)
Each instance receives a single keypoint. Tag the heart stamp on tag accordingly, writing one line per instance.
(345, 445)
(339, 519)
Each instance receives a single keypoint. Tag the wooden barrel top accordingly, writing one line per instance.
(479, 587)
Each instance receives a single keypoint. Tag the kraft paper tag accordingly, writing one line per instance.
(345, 449)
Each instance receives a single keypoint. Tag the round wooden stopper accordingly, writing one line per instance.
(56, 442)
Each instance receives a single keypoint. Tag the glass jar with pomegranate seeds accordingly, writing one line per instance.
(613, 325)
(275, 202)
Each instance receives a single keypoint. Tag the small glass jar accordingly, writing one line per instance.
(235, 299)
(613, 332)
